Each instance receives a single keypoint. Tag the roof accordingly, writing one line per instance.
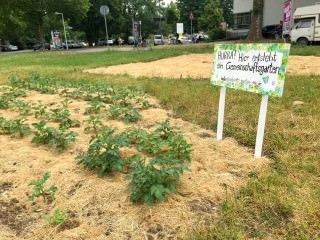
(309, 10)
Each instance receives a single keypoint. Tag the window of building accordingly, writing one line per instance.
(242, 20)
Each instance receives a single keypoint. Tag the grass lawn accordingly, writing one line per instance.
(283, 202)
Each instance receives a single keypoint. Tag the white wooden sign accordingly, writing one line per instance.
(257, 68)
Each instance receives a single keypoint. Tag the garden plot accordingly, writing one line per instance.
(99, 144)
(197, 66)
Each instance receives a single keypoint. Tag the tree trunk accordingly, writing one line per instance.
(40, 30)
(255, 32)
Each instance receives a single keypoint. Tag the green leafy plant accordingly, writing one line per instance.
(95, 107)
(165, 130)
(93, 124)
(24, 108)
(126, 113)
(59, 114)
(4, 102)
(150, 143)
(151, 182)
(51, 136)
(40, 111)
(103, 152)
(66, 102)
(179, 148)
(40, 191)
(56, 217)
(68, 123)
(16, 127)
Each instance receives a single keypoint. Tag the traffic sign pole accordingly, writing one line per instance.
(104, 10)
(105, 23)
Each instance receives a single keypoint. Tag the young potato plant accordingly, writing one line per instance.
(151, 182)
(15, 92)
(66, 102)
(51, 136)
(103, 153)
(95, 108)
(40, 111)
(165, 130)
(5, 101)
(94, 124)
(56, 217)
(17, 127)
(179, 148)
(59, 114)
(40, 191)
(24, 108)
(126, 114)
(62, 116)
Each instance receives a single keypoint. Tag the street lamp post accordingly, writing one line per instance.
(64, 29)
(140, 29)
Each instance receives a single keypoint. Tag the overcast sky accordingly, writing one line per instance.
(168, 1)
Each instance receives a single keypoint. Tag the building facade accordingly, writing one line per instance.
(272, 12)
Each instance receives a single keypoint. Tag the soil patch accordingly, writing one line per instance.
(99, 207)
(197, 66)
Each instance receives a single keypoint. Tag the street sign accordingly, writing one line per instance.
(180, 28)
(104, 10)
(191, 17)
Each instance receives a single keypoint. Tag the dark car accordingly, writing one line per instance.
(272, 31)
(41, 46)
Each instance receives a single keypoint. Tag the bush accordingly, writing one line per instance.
(217, 34)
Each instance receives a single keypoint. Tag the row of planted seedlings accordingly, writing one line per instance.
(165, 150)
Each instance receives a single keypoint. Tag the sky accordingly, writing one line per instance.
(168, 1)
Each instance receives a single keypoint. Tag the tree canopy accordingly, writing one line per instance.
(24, 22)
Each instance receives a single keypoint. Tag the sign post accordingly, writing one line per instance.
(222, 103)
(191, 17)
(261, 126)
(104, 10)
(257, 68)
(180, 28)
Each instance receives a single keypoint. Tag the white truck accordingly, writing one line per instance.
(306, 27)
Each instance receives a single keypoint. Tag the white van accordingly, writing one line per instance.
(307, 25)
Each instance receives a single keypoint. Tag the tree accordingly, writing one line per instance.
(38, 12)
(211, 19)
(227, 9)
(94, 25)
(255, 32)
(186, 7)
(172, 13)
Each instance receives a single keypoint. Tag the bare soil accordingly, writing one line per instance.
(99, 207)
(197, 66)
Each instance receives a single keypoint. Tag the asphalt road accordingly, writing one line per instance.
(79, 50)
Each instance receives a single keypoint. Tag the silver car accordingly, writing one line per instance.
(158, 40)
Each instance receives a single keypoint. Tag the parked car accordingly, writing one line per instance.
(9, 47)
(158, 40)
(272, 31)
(41, 46)
(184, 40)
(131, 40)
(72, 44)
(103, 42)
